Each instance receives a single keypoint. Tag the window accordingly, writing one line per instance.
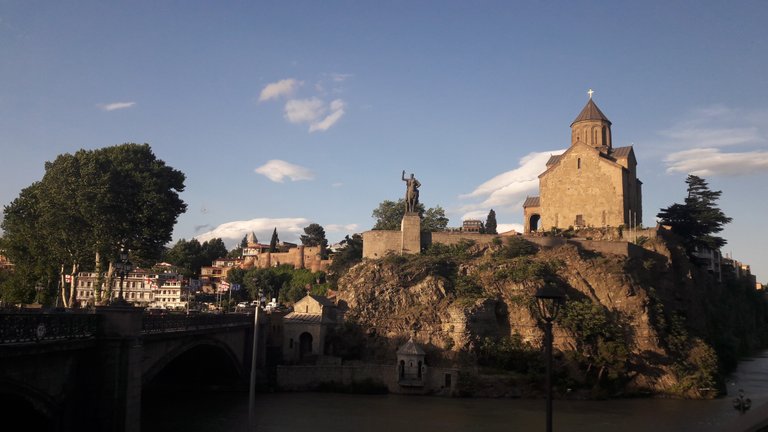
(579, 220)
(447, 380)
(578, 163)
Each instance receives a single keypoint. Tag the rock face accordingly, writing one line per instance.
(632, 325)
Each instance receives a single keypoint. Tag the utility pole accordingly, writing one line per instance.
(252, 387)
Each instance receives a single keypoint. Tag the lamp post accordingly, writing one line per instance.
(254, 352)
(549, 301)
(123, 268)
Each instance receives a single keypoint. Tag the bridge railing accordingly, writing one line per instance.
(179, 322)
(26, 327)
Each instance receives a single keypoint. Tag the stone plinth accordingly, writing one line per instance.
(410, 229)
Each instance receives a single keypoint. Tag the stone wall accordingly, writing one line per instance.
(303, 378)
(582, 183)
(378, 243)
(621, 248)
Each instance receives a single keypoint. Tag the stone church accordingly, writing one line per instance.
(592, 184)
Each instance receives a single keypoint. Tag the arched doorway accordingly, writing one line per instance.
(305, 344)
(533, 222)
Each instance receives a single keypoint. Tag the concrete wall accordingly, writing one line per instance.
(302, 378)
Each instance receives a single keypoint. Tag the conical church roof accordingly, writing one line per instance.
(591, 112)
(411, 348)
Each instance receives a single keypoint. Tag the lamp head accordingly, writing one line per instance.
(549, 300)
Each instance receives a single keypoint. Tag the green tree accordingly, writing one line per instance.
(490, 223)
(350, 254)
(274, 241)
(190, 256)
(314, 235)
(698, 219)
(389, 215)
(88, 206)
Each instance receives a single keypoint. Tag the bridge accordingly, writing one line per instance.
(88, 370)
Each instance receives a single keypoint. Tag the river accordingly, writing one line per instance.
(325, 412)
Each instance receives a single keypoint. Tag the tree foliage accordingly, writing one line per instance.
(490, 223)
(88, 206)
(698, 218)
(314, 235)
(190, 256)
(389, 214)
(274, 241)
(350, 254)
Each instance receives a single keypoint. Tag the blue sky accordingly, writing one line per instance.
(287, 113)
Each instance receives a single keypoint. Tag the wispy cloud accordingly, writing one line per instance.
(278, 170)
(702, 135)
(314, 112)
(510, 188)
(712, 162)
(348, 228)
(286, 87)
(116, 106)
(340, 77)
(288, 229)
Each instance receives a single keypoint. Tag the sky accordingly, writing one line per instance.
(283, 114)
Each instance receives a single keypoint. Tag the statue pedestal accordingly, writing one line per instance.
(410, 228)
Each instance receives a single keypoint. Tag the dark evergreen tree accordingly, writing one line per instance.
(273, 243)
(314, 235)
(490, 223)
(244, 242)
(698, 218)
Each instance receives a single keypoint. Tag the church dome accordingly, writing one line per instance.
(590, 113)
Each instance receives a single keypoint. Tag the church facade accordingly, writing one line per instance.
(592, 184)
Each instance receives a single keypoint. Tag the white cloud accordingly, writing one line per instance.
(502, 228)
(116, 106)
(313, 111)
(280, 88)
(337, 184)
(278, 170)
(348, 228)
(304, 110)
(510, 188)
(711, 161)
(288, 229)
(337, 110)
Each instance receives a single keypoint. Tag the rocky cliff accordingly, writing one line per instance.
(645, 322)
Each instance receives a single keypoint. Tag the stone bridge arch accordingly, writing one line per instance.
(154, 366)
(39, 409)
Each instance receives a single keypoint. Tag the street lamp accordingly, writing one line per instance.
(123, 268)
(549, 301)
(254, 352)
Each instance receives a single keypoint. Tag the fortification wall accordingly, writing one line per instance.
(455, 237)
(378, 243)
(621, 248)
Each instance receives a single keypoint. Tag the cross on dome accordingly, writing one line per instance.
(590, 93)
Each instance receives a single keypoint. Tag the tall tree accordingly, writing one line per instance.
(490, 223)
(389, 215)
(314, 235)
(274, 241)
(91, 204)
(244, 242)
(698, 219)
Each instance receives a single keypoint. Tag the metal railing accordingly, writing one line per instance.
(27, 327)
(180, 322)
